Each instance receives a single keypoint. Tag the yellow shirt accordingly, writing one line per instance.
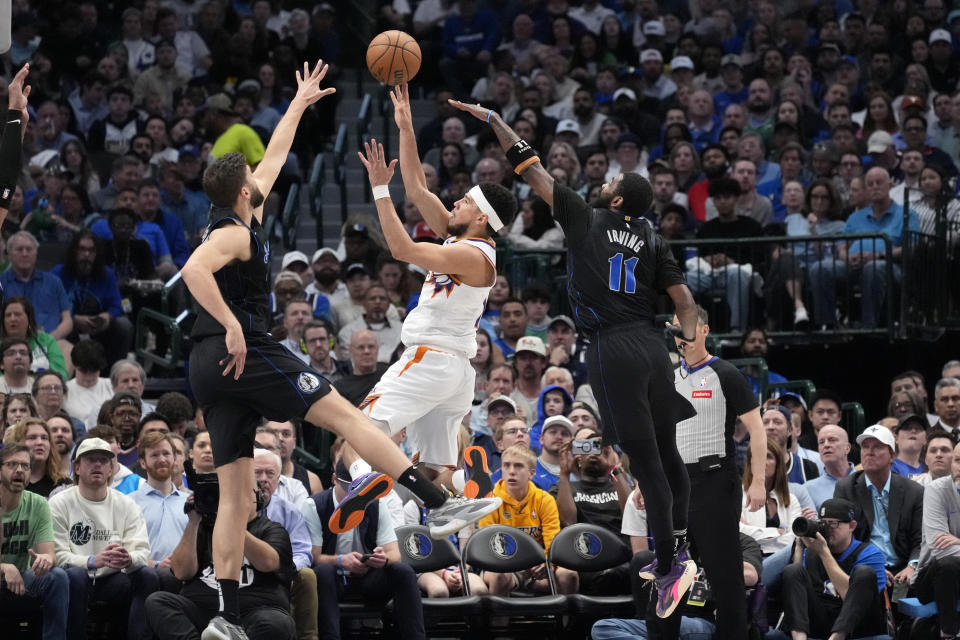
(239, 137)
(536, 514)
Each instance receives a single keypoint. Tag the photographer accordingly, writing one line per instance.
(834, 587)
(265, 576)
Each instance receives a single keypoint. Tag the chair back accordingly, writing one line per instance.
(588, 547)
(504, 549)
(422, 552)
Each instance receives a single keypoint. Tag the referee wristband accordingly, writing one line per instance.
(381, 191)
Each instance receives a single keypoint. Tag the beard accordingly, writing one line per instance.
(601, 201)
(256, 196)
(593, 468)
(715, 172)
(161, 472)
(326, 277)
(758, 107)
(457, 229)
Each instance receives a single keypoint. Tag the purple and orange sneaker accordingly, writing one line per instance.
(672, 587)
(364, 490)
(649, 572)
(479, 485)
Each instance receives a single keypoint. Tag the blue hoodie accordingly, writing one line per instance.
(541, 416)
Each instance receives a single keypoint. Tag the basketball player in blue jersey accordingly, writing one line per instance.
(617, 264)
(240, 374)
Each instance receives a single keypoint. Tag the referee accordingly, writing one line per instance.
(617, 265)
(721, 395)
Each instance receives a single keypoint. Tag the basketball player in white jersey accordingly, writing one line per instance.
(429, 389)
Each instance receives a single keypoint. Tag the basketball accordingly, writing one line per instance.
(393, 57)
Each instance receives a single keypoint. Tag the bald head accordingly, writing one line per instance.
(363, 351)
(877, 182)
(489, 170)
(834, 445)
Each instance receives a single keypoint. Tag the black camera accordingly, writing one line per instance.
(806, 528)
(206, 493)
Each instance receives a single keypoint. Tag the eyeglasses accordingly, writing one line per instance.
(13, 464)
(831, 524)
(317, 340)
(51, 388)
(516, 431)
(16, 352)
(126, 413)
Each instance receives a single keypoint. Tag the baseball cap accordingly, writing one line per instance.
(354, 269)
(532, 344)
(654, 28)
(249, 85)
(324, 6)
(89, 445)
(731, 58)
(220, 102)
(189, 150)
(940, 35)
(953, 15)
(322, 251)
(285, 276)
(507, 400)
(783, 411)
(879, 141)
(912, 101)
(681, 62)
(837, 509)
(356, 229)
(879, 432)
(913, 417)
(293, 256)
(558, 421)
(567, 320)
(850, 60)
(422, 231)
(650, 54)
(624, 91)
(794, 396)
(828, 46)
(568, 125)
(628, 138)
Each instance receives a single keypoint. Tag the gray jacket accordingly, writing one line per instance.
(941, 514)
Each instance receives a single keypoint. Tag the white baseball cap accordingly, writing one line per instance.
(504, 399)
(654, 28)
(89, 445)
(559, 421)
(650, 54)
(293, 256)
(681, 62)
(532, 344)
(319, 253)
(879, 432)
(940, 35)
(568, 125)
(879, 141)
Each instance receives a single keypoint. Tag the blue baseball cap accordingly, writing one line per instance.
(189, 150)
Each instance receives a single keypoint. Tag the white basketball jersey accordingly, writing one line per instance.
(448, 312)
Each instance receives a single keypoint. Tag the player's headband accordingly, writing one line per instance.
(493, 219)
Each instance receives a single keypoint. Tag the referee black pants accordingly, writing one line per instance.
(714, 531)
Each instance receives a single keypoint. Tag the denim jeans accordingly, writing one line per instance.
(52, 590)
(826, 274)
(631, 629)
(735, 281)
(773, 566)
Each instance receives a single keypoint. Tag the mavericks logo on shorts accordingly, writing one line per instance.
(308, 382)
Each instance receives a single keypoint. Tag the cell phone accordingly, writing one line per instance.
(586, 447)
(366, 557)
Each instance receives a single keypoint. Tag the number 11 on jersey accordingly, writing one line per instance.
(617, 268)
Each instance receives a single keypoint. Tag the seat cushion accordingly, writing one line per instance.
(532, 606)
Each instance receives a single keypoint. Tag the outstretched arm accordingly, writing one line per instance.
(11, 148)
(468, 264)
(308, 92)
(414, 182)
(535, 175)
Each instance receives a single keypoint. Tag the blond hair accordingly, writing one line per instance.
(523, 452)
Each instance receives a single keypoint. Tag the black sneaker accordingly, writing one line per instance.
(220, 629)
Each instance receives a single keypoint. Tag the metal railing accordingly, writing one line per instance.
(755, 281)
(315, 194)
(167, 324)
(340, 168)
(364, 117)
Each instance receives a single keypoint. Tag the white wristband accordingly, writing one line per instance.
(381, 191)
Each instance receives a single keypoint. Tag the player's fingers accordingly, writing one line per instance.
(26, 91)
(321, 72)
(363, 160)
(382, 154)
(393, 163)
(327, 91)
(306, 69)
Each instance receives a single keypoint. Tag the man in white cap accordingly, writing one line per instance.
(943, 65)
(888, 507)
(588, 119)
(101, 540)
(657, 85)
(681, 70)
(882, 149)
(530, 360)
(326, 276)
(568, 131)
(296, 261)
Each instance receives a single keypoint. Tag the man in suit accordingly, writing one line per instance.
(889, 507)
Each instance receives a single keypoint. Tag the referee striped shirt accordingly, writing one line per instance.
(720, 393)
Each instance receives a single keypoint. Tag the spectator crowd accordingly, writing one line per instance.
(820, 126)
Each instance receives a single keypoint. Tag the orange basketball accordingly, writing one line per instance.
(393, 57)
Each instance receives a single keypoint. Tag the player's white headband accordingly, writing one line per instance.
(492, 218)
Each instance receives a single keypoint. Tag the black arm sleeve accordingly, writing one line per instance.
(10, 155)
(573, 214)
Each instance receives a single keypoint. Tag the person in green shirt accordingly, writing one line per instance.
(28, 564)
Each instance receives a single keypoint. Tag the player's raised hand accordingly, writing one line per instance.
(478, 112)
(375, 162)
(401, 106)
(308, 84)
(17, 94)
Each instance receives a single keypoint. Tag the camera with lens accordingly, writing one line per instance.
(807, 528)
(206, 493)
(586, 447)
